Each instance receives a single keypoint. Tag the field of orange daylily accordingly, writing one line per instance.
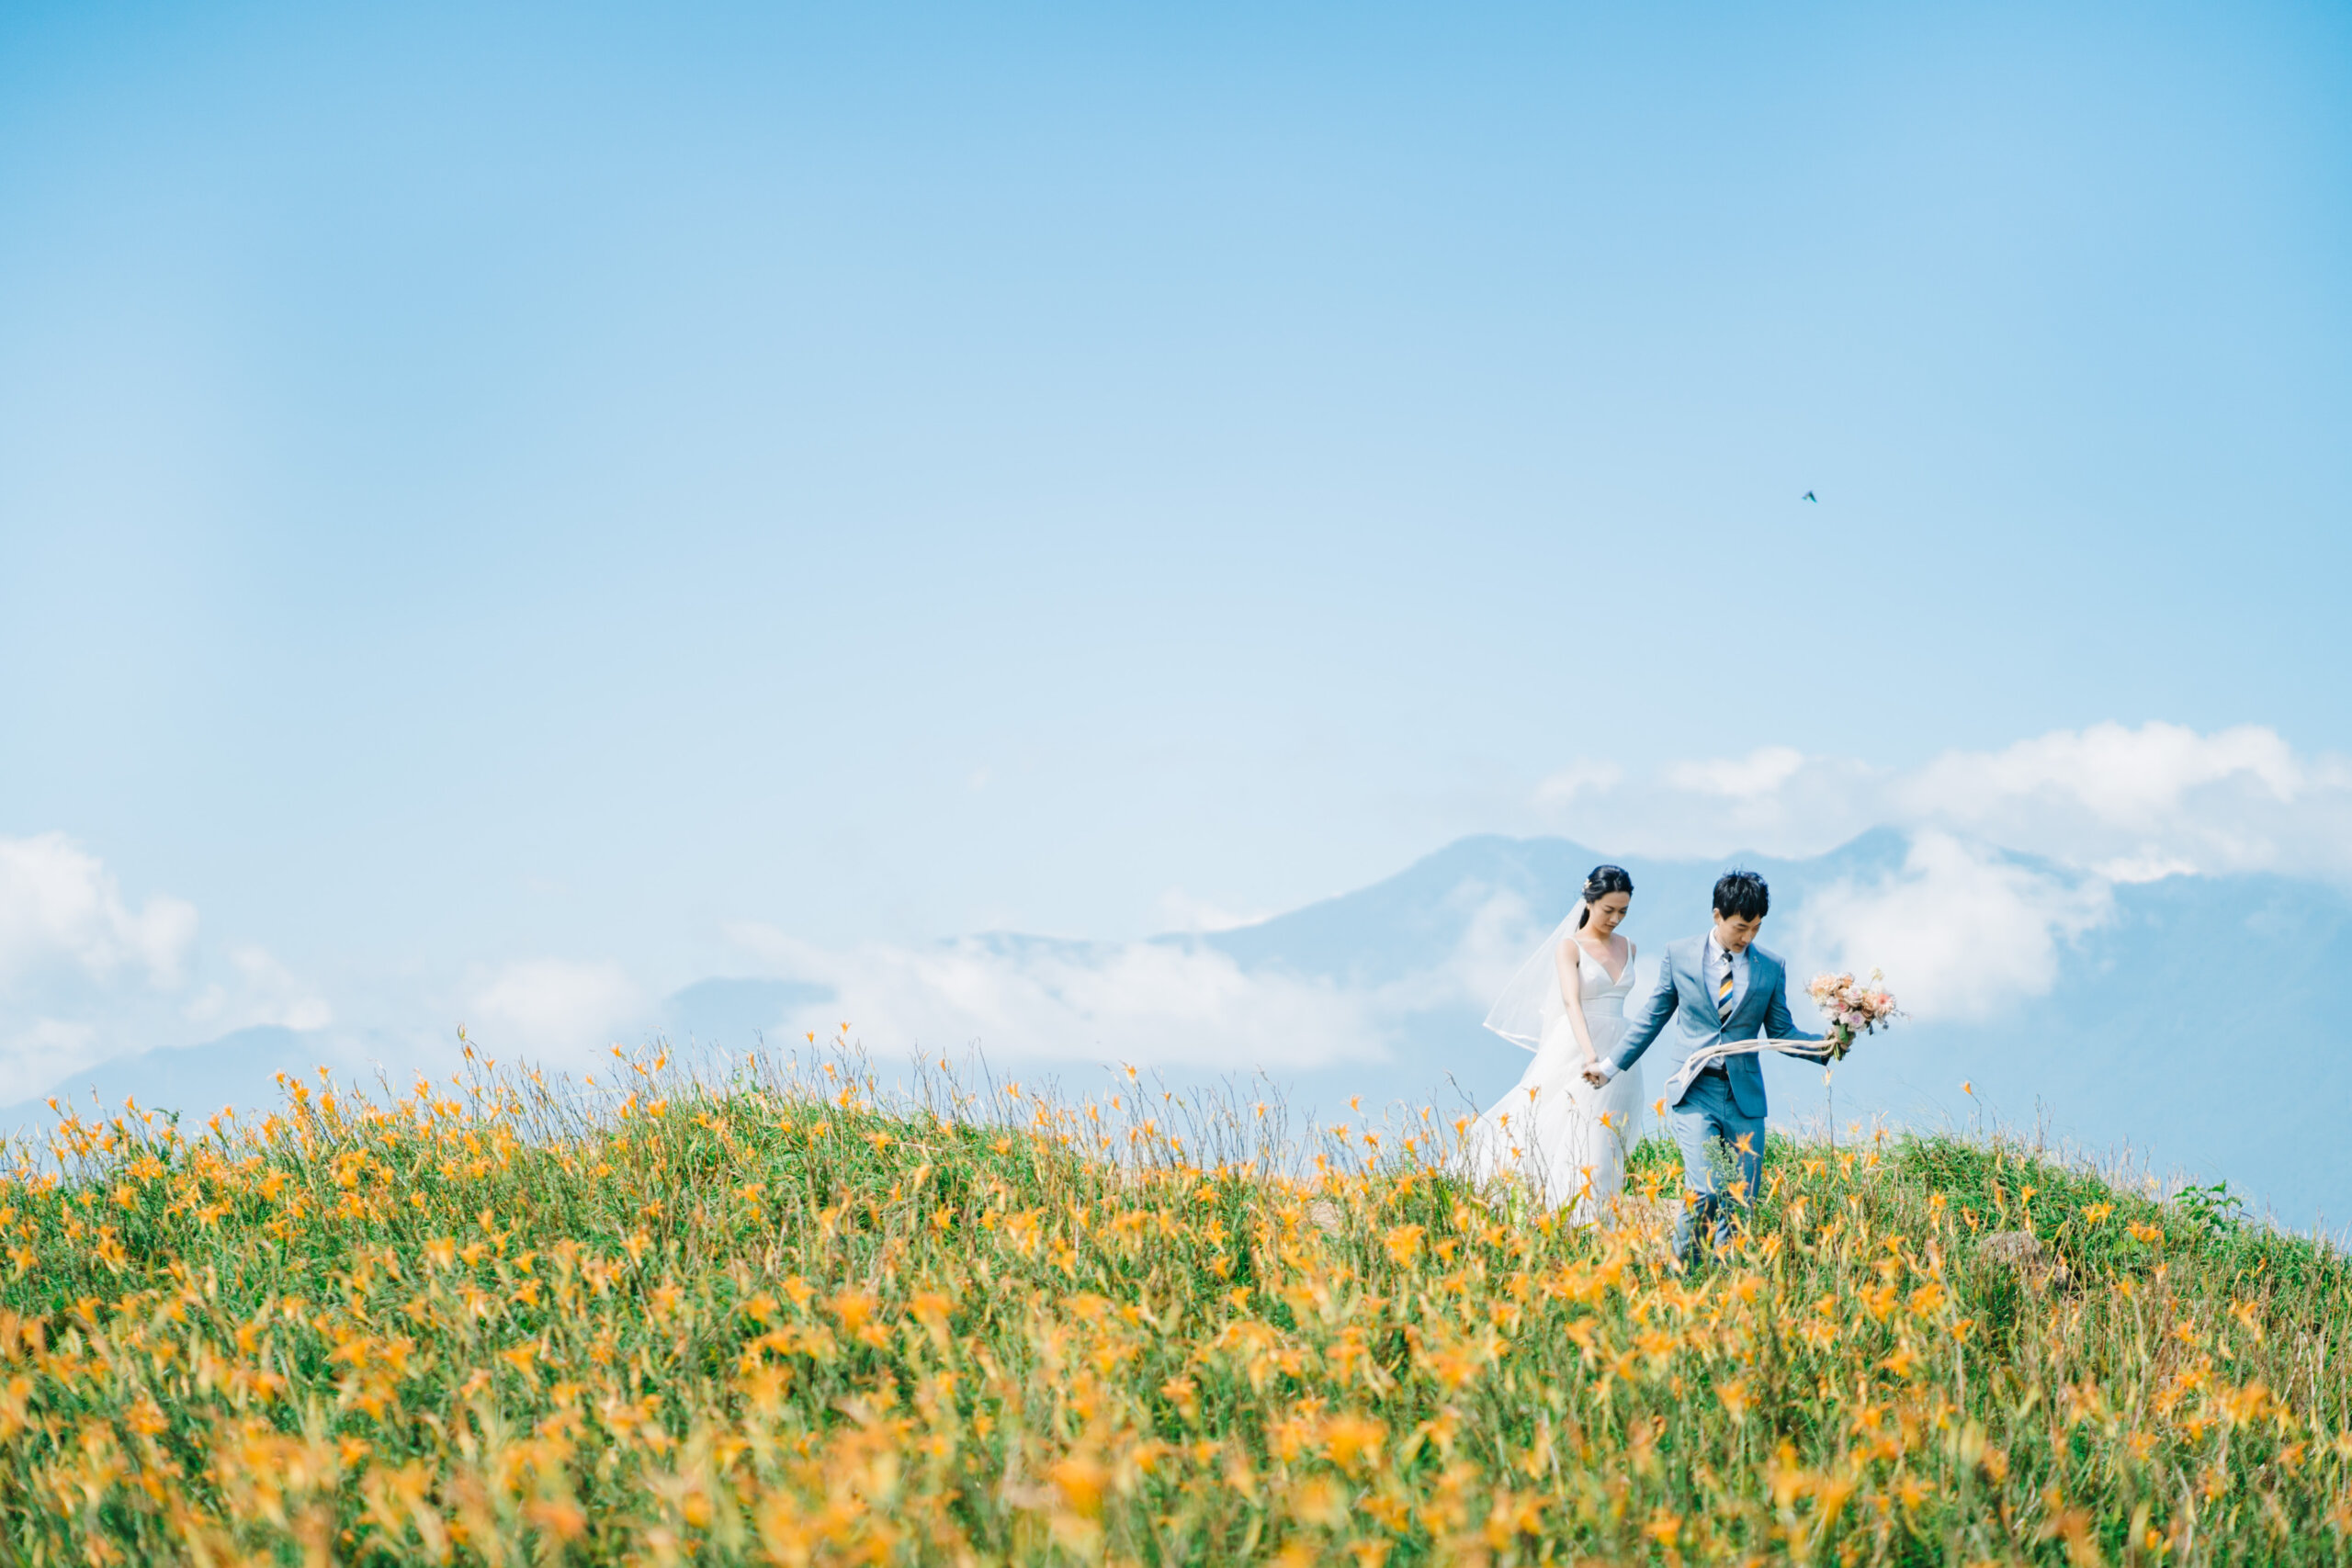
(779, 1315)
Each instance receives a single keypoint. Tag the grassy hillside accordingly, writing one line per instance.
(770, 1320)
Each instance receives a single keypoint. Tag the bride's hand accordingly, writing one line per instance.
(1595, 1076)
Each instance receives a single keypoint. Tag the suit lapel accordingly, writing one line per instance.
(1697, 969)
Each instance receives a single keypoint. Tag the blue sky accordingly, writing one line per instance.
(567, 484)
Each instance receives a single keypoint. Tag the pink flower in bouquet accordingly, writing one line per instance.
(1852, 1009)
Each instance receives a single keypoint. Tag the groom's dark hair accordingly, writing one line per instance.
(1743, 896)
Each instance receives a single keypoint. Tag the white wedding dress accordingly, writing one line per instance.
(1564, 1139)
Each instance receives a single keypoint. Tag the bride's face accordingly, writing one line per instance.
(1608, 914)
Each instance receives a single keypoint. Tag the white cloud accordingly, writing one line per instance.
(554, 1008)
(1965, 927)
(1775, 800)
(1961, 930)
(61, 911)
(2143, 868)
(1179, 911)
(38, 1053)
(2157, 800)
(87, 975)
(264, 992)
(2160, 795)
(1579, 778)
(1500, 935)
(1760, 773)
(1165, 1002)
(2135, 780)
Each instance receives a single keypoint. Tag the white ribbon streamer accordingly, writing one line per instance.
(1698, 1061)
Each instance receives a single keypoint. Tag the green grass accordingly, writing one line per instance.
(787, 1318)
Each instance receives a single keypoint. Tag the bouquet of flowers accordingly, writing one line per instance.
(1853, 1007)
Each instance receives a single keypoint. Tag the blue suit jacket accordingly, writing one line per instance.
(1680, 1016)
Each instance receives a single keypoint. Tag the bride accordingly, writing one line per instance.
(1564, 1138)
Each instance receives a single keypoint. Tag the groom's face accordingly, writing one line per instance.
(1733, 934)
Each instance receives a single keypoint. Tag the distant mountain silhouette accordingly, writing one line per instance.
(237, 1069)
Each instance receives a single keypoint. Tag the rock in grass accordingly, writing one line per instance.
(2018, 1249)
(2023, 1251)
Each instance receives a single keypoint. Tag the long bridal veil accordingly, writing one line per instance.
(1531, 1004)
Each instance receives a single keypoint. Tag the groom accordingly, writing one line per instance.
(1714, 988)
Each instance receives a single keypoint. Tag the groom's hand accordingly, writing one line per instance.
(1596, 1075)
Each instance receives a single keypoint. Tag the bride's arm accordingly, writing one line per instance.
(1664, 1000)
(1572, 998)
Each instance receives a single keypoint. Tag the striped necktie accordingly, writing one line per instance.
(1723, 991)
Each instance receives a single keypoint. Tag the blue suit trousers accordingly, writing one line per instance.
(1723, 1161)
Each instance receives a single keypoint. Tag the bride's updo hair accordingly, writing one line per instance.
(1604, 880)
